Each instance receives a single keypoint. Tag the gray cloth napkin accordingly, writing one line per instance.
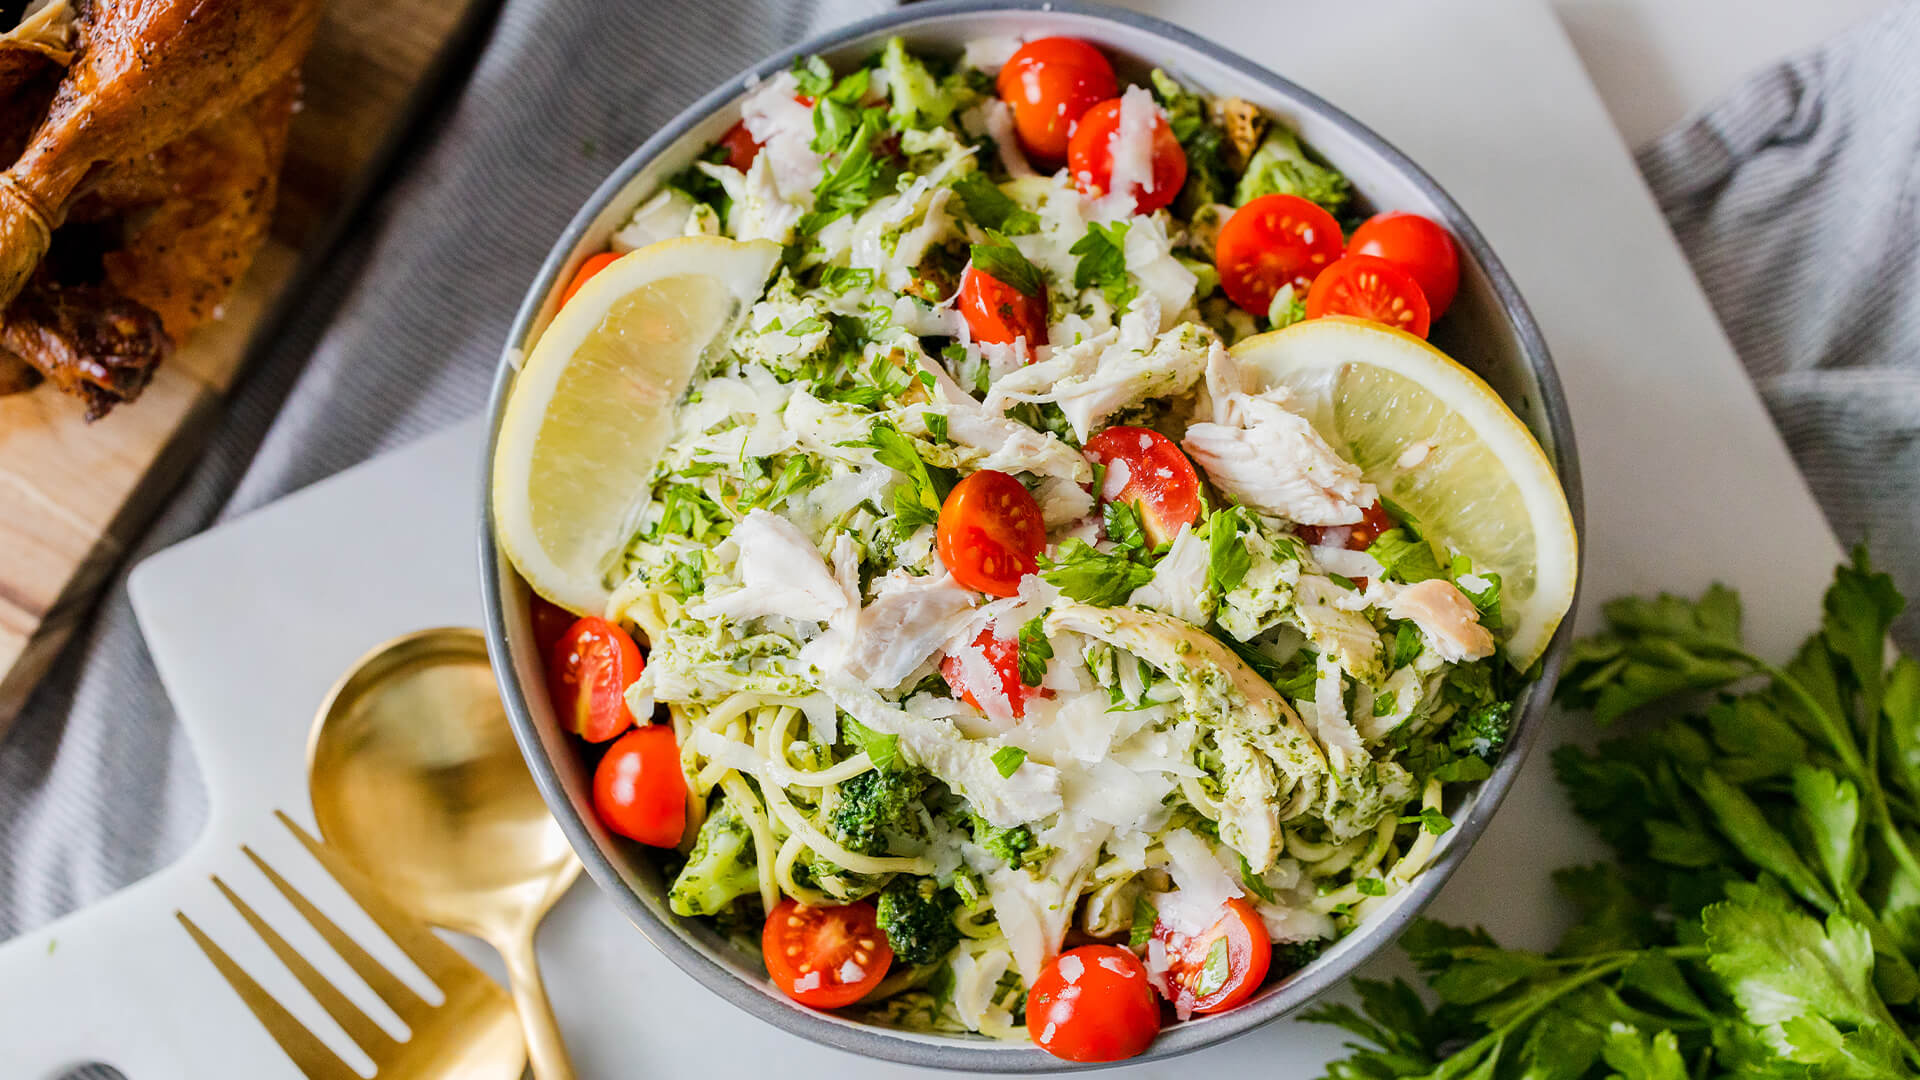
(1798, 201)
(1795, 197)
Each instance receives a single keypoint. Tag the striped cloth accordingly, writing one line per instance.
(1798, 201)
(1795, 198)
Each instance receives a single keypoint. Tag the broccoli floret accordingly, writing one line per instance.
(1280, 165)
(1291, 956)
(919, 101)
(917, 916)
(1481, 730)
(1209, 180)
(721, 868)
(1016, 844)
(876, 805)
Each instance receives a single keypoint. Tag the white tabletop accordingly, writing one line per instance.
(1656, 62)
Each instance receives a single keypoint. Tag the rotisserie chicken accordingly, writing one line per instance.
(145, 138)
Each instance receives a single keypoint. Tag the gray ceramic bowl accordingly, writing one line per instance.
(1488, 328)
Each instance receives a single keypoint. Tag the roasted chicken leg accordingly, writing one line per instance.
(151, 178)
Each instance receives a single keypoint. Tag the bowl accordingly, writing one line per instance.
(1488, 328)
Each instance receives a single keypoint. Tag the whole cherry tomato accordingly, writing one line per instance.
(1370, 287)
(1050, 83)
(1221, 966)
(990, 533)
(588, 672)
(639, 790)
(1000, 314)
(1090, 158)
(1418, 245)
(1146, 469)
(593, 265)
(825, 957)
(1274, 241)
(1093, 1003)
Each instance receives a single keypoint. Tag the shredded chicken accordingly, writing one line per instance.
(1270, 458)
(1446, 617)
(781, 573)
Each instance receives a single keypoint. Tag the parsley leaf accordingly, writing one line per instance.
(1103, 261)
(1227, 559)
(1255, 884)
(851, 183)
(1034, 651)
(1124, 529)
(1000, 260)
(1094, 578)
(1007, 760)
(992, 208)
(917, 501)
(815, 78)
(1144, 916)
(1404, 557)
(882, 750)
(1430, 819)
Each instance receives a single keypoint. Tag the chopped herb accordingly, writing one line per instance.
(882, 750)
(1404, 557)
(1007, 759)
(1144, 916)
(1254, 883)
(1371, 886)
(1035, 650)
(1124, 529)
(1227, 559)
(991, 208)
(1430, 819)
(1103, 261)
(1090, 577)
(1213, 975)
(1000, 260)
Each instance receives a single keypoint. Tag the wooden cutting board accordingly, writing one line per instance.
(74, 495)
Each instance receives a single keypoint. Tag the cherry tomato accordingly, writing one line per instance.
(827, 957)
(1003, 655)
(1093, 1003)
(1152, 474)
(1273, 241)
(1050, 84)
(592, 266)
(1359, 536)
(1090, 158)
(990, 533)
(1370, 287)
(550, 622)
(1221, 966)
(1418, 245)
(588, 672)
(638, 789)
(739, 145)
(1000, 314)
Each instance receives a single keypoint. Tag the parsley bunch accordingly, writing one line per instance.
(1762, 918)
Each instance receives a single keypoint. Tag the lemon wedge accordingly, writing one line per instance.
(1440, 443)
(592, 408)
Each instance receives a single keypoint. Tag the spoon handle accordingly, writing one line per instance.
(546, 1052)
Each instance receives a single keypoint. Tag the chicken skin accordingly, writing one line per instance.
(143, 191)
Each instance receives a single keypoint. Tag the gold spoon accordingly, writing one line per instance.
(416, 779)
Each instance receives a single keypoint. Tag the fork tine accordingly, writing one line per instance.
(398, 995)
(309, 1054)
(439, 960)
(359, 1027)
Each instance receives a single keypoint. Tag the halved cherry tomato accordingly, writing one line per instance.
(1359, 536)
(1050, 83)
(1146, 469)
(592, 266)
(990, 533)
(1090, 158)
(1003, 655)
(550, 622)
(828, 957)
(1418, 245)
(1273, 241)
(739, 146)
(1000, 314)
(1221, 966)
(1093, 1003)
(1370, 287)
(588, 672)
(638, 789)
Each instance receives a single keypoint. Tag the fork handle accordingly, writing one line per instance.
(545, 1051)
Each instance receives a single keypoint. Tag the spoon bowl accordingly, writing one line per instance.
(417, 781)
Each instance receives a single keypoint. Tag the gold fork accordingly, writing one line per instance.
(474, 1034)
